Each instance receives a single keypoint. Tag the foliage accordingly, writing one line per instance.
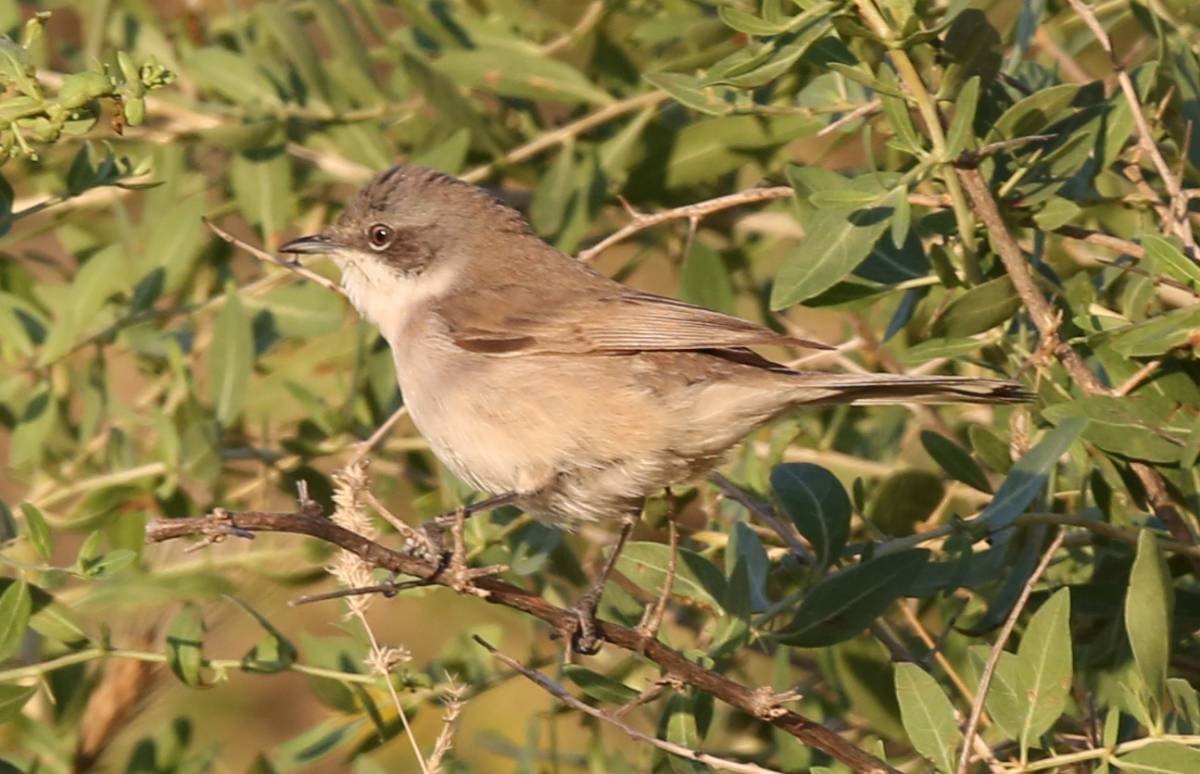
(150, 370)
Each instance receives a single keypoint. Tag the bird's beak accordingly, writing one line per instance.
(315, 243)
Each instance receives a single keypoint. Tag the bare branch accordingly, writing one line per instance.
(563, 695)
(263, 255)
(310, 522)
(989, 668)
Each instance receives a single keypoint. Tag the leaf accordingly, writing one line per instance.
(705, 279)
(185, 640)
(835, 242)
(1027, 477)
(1161, 758)
(13, 698)
(1006, 699)
(682, 729)
(1056, 212)
(746, 550)
(955, 460)
(1171, 259)
(599, 687)
(552, 195)
(16, 606)
(1149, 607)
(1144, 427)
(274, 653)
(964, 119)
(749, 23)
(686, 89)
(896, 111)
(1154, 336)
(928, 716)
(817, 504)
(843, 605)
(979, 309)
(1044, 656)
(38, 531)
(518, 73)
(904, 500)
(230, 75)
(230, 359)
(1034, 113)
(265, 191)
(696, 578)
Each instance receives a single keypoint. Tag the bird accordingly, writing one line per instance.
(539, 380)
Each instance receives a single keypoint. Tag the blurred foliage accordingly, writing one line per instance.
(150, 371)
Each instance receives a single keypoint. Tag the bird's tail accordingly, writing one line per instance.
(862, 389)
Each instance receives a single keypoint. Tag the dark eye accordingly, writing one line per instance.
(379, 235)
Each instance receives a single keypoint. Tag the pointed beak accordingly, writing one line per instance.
(316, 243)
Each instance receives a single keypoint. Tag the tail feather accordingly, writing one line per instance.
(866, 389)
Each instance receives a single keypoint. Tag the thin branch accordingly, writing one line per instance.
(1180, 223)
(862, 111)
(563, 695)
(766, 513)
(1046, 321)
(561, 620)
(263, 255)
(985, 681)
(587, 20)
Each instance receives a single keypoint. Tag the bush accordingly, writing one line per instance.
(981, 188)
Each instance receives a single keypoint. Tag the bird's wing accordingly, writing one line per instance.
(618, 319)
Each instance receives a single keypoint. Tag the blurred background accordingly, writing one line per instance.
(149, 369)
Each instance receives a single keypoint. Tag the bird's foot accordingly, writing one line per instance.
(452, 562)
(582, 632)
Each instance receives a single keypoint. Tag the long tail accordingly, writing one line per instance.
(861, 389)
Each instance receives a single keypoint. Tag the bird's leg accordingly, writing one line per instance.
(584, 639)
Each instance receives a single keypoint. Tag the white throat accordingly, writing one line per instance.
(387, 298)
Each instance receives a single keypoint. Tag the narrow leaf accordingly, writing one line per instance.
(928, 716)
(16, 605)
(1045, 655)
(1029, 474)
(1149, 607)
(230, 359)
(38, 530)
(955, 460)
(817, 504)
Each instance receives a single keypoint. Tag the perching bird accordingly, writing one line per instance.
(531, 374)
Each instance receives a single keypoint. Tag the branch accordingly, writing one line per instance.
(1179, 198)
(562, 621)
(563, 695)
(989, 668)
(263, 255)
(1046, 321)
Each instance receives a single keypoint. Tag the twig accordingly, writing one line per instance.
(566, 132)
(587, 20)
(1046, 321)
(1180, 223)
(563, 695)
(388, 589)
(561, 620)
(766, 513)
(989, 668)
(862, 111)
(263, 255)
(367, 446)
(1135, 381)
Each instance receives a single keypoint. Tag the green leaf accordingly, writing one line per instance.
(705, 279)
(599, 687)
(1161, 758)
(964, 119)
(905, 499)
(274, 653)
(13, 698)
(955, 460)
(979, 309)
(38, 531)
(1149, 607)
(1056, 212)
(1006, 699)
(1154, 336)
(185, 641)
(928, 716)
(552, 195)
(682, 729)
(749, 23)
(1034, 113)
(1171, 259)
(16, 606)
(1145, 427)
(230, 75)
(836, 241)
(517, 73)
(1027, 477)
(746, 550)
(696, 578)
(896, 111)
(230, 359)
(817, 504)
(265, 191)
(842, 605)
(686, 89)
(1045, 657)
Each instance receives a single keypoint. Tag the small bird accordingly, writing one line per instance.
(533, 376)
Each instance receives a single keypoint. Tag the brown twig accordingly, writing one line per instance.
(263, 255)
(766, 513)
(748, 700)
(989, 668)
(563, 695)
(862, 111)
(1046, 321)
(1179, 222)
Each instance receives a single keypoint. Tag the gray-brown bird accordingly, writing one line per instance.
(531, 374)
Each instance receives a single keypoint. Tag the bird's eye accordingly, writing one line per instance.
(379, 235)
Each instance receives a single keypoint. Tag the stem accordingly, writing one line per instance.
(937, 135)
